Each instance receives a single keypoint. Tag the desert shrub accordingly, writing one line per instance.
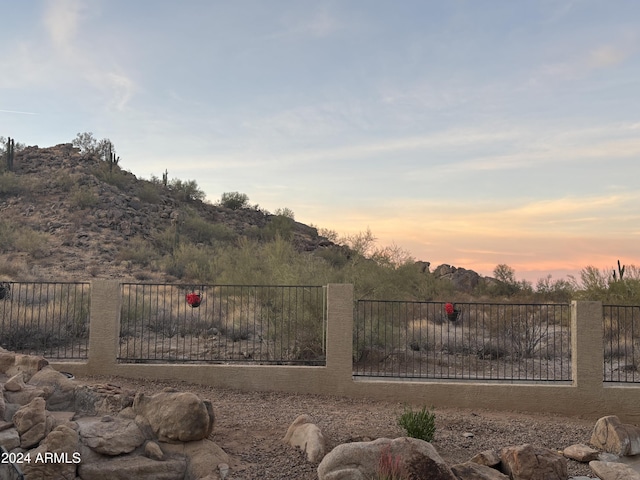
(419, 424)
(149, 192)
(234, 200)
(279, 225)
(285, 212)
(7, 235)
(186, 191)
(64, 180)
(199, 230)
(10, 184)
(113, 175)
(82, 198)
(138, 251)
(33, 242)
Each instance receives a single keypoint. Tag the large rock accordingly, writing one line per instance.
(133, 467)
(102, 399)
(26, 364)
(110, 436)
(528, 462)
(24, 395)
(581, 453)
(59, 389)
(9, 439)
(176, 416)
(418, 459)
(475, 471)
(304, 434)
(489, 458)
(613, 436)
(613, 471)
(203, 456)
(56, 458)
(32, 422)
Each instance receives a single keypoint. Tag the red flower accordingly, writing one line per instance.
(193, 299)
(449, 308)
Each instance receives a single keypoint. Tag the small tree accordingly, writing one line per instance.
(234, 200)
(186, 191)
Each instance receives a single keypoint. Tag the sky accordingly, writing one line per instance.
(471, 133)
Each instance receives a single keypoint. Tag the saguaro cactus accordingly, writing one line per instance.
(620, 272)
(10, 153)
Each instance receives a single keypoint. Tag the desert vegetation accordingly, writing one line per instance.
(188, 241)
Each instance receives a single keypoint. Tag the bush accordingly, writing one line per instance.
(234, 200)
(83, 197)
(10, 184)
(420, 424)
(187, 191)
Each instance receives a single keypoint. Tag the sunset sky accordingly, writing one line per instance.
(469, 133)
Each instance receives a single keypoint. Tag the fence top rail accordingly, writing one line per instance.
(201, 285)
(469, 303)
(619, 306)
(47, 283)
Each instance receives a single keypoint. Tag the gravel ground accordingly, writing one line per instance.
(250, 427)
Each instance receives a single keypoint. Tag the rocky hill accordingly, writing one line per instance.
(65, 215)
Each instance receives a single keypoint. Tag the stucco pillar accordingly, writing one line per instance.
(340, 331)
(104, 327)
(586, 345)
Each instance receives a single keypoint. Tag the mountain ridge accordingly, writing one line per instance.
(68, 216)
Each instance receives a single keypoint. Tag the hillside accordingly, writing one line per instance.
(67, 216)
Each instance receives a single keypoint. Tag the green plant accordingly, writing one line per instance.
(419, 424)
(234, 200)
(82, 197)
(186, 191)
(10, 184)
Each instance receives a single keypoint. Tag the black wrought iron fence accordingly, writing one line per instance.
(49, 319)
(222, 324)
(478, 341)
(621, 342)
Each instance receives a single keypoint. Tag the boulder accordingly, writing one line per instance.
(176, 416)
(528, 462)
(26, 364)
(56, 458)
(32, 422)
(304, 434)
(10, 439)
(110, 435)
(130, 467)
(153, 451)
(475, 471)
(613, 436)
(418, 459)
(203, 456)
(489, 458)
(24, 395)
(15, 383)
(59, 389)
(101, 399)
(613, 471)
(581, 453)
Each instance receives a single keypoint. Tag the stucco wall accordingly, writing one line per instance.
(586, 396)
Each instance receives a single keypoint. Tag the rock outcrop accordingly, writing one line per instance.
(306, 436)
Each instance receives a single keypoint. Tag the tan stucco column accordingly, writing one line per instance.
(104, 333)
(340, 333)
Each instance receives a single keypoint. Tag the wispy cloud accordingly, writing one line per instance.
(18, 112)
(61, 19)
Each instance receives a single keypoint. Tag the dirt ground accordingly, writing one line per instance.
(250, 427)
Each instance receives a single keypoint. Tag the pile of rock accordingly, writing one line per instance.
(410, 458)
(56, 428)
